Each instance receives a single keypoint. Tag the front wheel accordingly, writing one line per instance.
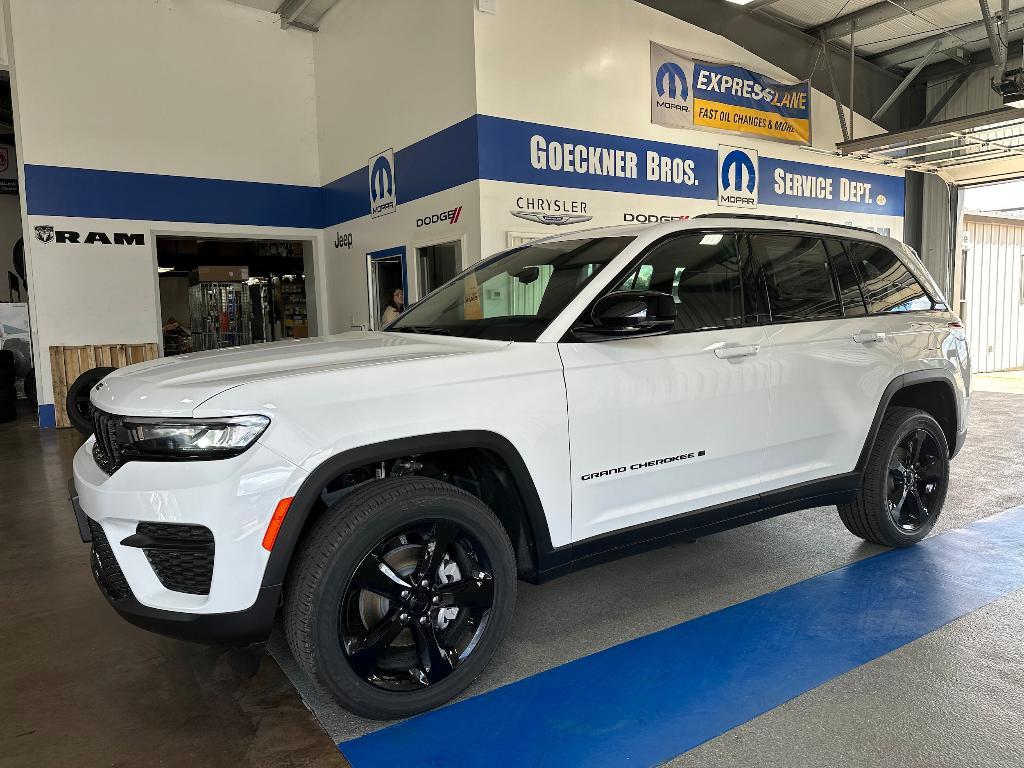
(904, 483)
(400, 596)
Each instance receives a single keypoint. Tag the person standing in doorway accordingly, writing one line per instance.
(395, 307)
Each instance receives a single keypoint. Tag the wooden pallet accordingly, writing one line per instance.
(68, 363)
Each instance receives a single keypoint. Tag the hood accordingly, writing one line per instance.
(176, 386)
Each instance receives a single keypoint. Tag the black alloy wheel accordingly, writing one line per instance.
(912, 485)
(399, 595)
(904, 482)
(416, 606)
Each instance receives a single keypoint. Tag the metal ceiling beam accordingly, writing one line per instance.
(906, 82)
(948, 41)
(990, 30)
(945, 98)
(992, 119)
(290, 10)
(872, 16)
(834, 90)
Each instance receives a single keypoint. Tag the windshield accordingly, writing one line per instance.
(515, 295)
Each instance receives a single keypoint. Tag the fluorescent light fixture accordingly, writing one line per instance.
(161, 270)
(740, 2)
(711, 239)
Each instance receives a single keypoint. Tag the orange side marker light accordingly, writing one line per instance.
(275, 523)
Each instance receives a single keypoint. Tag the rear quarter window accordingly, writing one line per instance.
(888, 285)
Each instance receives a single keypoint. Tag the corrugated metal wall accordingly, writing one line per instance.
(994, 316)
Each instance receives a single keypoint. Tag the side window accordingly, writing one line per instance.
(702, 272)
(798, 277)
(849, 284)
(888, 285)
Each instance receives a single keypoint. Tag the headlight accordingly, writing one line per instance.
(192, 438)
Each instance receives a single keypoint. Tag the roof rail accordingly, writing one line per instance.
(788, 219)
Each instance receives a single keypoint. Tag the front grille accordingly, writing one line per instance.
(104, 565)
(180, 555)
(106, 451)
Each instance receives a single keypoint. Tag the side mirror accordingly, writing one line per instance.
(631, 313)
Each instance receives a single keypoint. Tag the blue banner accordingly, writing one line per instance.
(803, 185)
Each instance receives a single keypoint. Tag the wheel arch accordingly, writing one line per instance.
(934, 392)
(531, 538)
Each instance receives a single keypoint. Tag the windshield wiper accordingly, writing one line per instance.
(428, 329)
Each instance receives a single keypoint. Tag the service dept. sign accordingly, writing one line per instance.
(695, 93)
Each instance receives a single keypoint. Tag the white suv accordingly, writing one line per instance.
(569, 401)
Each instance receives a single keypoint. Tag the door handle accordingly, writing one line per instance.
(868, 338)
(730, 351)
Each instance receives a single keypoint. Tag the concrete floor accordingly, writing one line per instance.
(83, 688)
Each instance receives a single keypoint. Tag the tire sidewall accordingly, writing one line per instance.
(332, 666)
(912, 422)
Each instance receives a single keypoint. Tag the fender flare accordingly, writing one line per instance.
(902, 382)
(309, 492)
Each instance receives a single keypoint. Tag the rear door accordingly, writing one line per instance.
(830, 361)
(666, 425)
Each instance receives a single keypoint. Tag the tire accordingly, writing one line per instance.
(7, 379)
(7, 360)
(8, 404)
(30, 387)
(77, 400)
(892, 507)
(351, 538)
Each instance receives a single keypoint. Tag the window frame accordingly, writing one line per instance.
(831, 270)
(743, 251)
(937, 306)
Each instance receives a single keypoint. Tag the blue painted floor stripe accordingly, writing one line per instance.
(648, 700)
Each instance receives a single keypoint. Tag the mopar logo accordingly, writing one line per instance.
(382, 183)
(737, 177)
(672, 80)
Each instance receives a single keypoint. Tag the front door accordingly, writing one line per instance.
(668, 425)
(386, 273)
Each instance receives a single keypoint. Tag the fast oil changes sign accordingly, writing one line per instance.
(691, 93)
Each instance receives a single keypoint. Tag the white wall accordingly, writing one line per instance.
(184, 88)
(388, 73)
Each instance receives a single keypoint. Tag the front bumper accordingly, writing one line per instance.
(233, 498)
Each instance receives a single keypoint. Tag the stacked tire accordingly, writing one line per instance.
(8, 395)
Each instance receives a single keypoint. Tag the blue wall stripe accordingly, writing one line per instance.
(479, 147)
(56, 191)
(648, 700)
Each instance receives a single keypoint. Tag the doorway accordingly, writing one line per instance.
(386, 272)
(228, 292)
(437, 264)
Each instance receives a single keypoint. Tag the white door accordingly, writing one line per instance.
(830, 360)
(667, 425)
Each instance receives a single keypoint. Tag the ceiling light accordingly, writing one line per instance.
(161, 270)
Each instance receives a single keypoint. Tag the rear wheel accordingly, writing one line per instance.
(400, 596)
(904, 483)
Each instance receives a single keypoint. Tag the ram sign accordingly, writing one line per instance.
(691, 93)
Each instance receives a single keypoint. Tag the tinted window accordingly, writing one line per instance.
(798, 277)
(515, 295)
(888, 285)
(702, 272)
(849, 284)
